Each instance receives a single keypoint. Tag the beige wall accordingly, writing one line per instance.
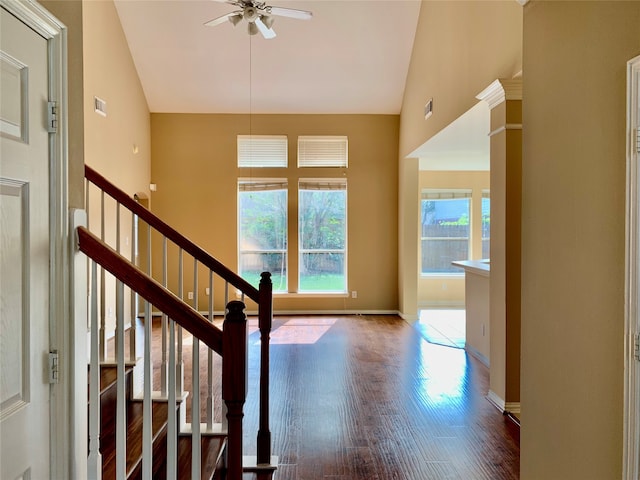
(573, 233)
(195, 169)
(70, 13)
(99, 64)
(448, 290)
(460, 48)
(110, 74)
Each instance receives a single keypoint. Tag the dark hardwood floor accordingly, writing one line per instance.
(367, 398)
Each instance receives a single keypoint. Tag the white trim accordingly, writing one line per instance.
(472, 351)
(62, 443)
(78, 351)
(508, 126)
(522, 2)
(442, 304)
(631, 441)
(409, 318)
(496, 400)
(302, 312)
(512, 407)
(500, 90)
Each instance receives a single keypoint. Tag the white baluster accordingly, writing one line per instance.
(180, 364)
(223, 405)
(134, 313)
(210, 362)
(147, 420)
(196, 441)
(121, 408)
(103, 306)
(172, 427)
(163, 368)
(94, 462)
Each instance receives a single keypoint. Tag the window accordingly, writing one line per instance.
(322, 231)
(262, 231)
(486, 224)
(323, 151)
(263, 204)
(445, 229)
(262, 150)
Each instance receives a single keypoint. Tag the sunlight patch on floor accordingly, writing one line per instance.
(301, 331)
(443, 327)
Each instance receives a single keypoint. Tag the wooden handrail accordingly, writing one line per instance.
(180, 240)
(179, 311)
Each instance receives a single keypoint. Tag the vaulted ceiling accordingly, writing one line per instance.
(351, 57)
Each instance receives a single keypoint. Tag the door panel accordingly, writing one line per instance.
(24, 253)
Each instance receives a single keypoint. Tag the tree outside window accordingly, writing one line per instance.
(322, 236)
(262, 212)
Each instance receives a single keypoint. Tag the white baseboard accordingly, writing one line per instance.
(441, 304)
(477, 354)
(219, 313)
(496, 400)
(504, 407)
(512, 407)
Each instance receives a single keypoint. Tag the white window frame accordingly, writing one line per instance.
(261, 184)
(445, 193)
(330, 184)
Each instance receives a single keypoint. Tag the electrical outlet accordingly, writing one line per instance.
(206, 291)
(354, 294)
(190, 295)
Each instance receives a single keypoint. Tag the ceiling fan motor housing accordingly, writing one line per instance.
(251, 14)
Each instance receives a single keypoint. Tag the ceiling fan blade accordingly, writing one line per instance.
(237, 3)
(266, 32)
(222, 19)
(290, 12)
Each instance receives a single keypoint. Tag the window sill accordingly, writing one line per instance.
(311, 294)
(443, 276)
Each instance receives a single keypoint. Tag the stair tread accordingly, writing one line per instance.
(108, 376)
(212, 449)
(134, 436)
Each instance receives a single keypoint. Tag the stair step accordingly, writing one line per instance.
(212, 461)
(134, 439)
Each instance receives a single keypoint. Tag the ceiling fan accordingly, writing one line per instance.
(259, 16)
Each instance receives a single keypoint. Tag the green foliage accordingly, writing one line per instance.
(463, 220)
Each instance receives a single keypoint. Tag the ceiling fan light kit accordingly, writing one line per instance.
(258, 15)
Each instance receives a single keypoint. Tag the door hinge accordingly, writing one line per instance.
(637, 140)
(53, 367)
(52, 120)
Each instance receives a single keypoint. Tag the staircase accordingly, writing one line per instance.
(138, 401)
(212, 450)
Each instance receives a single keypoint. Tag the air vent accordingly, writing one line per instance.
(428, 109)
(100, 106)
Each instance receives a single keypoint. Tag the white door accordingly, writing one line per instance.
(24, 253)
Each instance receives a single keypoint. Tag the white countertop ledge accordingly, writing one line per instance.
(479, 267)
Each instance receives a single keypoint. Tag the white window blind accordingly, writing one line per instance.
(261, 184)
(323, 151)
(322, 184)
(435, 194)
(262, 151)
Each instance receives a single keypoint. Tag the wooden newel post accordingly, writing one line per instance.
(265, 316)
(234, 382)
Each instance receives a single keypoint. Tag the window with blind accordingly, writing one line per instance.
(322, 233)
(445, 229)
(262, 230)
(262, 151)
(323, 151)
